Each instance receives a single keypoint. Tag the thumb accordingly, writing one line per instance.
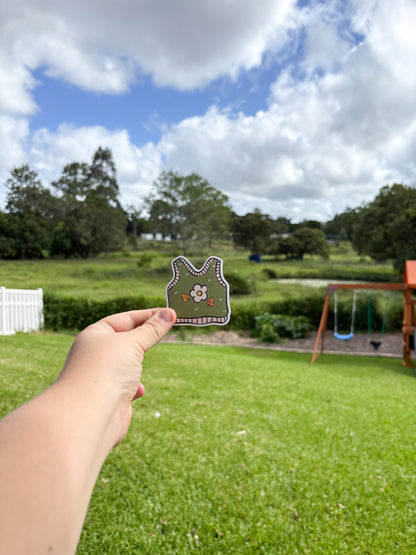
(154, 329)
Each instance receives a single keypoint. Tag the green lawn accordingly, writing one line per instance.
(254, 452)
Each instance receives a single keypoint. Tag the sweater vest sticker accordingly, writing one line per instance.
(199, 297)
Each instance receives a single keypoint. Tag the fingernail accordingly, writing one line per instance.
(165, 316)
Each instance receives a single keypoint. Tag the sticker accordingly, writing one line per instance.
(199, 297)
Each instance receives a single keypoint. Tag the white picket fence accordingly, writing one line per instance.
(20, 310)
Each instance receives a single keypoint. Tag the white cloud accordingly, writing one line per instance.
(328, 39)
(325, 142)
(274, 158)
(199, 42)
(13, 135)
(137, 168)
(16, 83)
(101, 46)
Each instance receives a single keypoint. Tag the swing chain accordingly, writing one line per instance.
(376, 344)
(351, 334)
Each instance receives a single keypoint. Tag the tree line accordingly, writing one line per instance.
(384, 228)
(80, 215)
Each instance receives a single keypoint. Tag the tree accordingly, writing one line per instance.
(93, 219)
(162, 218)
(304, 240)
(22, 237)
(7, 240)
(188, 208)
(343, 225)
(61, 244)
(281, 226)
(386, 226)
(32, 214)
(312, 224)
(135, 222)
(102, 177)
(217, 217)
(253, 231)
(26, 194)
(73, 183)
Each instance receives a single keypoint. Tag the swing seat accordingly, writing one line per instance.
(343, 337)
(375, 345)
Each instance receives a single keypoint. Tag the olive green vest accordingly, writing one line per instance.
(199, 297)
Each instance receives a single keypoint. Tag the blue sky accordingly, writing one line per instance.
(145, 108)
(298, 108)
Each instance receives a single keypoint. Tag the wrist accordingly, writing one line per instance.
(93, 409)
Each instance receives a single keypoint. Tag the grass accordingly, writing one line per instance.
(98, 279)
(254, 452)
(122, 274)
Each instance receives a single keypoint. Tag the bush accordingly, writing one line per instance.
(309, 305)
(273, 327)
(68, 313)
(268, 334)
(144, 259)
(269, 273)
(239, 285)
(242, 318)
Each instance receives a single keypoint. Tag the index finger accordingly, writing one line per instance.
(127, 321)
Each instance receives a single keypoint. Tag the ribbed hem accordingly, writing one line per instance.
(203, 321)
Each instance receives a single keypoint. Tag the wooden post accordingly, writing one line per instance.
(407, 326)
(320, 336)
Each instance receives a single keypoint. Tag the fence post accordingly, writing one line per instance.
(3, 309)
(40, 308)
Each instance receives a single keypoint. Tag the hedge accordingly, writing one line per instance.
(69, 313)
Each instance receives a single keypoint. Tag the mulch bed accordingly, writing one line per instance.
(391, 345)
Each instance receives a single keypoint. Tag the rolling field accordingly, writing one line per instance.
(147, 273)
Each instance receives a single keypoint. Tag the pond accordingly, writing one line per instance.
(312, 282)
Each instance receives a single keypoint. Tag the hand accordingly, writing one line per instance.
(105, 360)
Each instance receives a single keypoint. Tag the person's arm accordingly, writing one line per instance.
(52, 448)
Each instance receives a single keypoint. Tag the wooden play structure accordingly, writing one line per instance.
(408, 285)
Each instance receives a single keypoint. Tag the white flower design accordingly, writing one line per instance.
(199, 293)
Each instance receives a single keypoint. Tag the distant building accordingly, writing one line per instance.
(155, 237)
(332, 239)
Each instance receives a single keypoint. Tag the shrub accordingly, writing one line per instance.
(274, 327)
(68, 313)
(144, 259)
(269, 273)
(242, 318)
(239, 285)
(268, 334)
(309, 305)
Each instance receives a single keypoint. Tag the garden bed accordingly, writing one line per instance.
(391, 344)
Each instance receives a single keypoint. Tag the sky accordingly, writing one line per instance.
(298, 108)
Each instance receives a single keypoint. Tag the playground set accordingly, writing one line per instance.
(408, 285)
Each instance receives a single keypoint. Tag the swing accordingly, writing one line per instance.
(373, 343)
(346, 336)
